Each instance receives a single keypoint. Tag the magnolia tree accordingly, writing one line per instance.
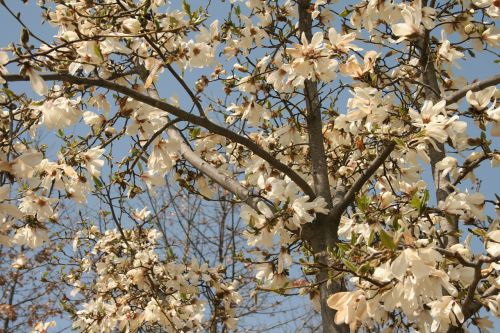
(315, 120)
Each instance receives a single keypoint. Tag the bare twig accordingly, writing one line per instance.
(181, 114)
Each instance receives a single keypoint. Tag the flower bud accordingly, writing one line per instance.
(131, 25)
(469, 28)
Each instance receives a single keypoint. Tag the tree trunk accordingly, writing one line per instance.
(441, 184)
(323, 231)
(324, 238)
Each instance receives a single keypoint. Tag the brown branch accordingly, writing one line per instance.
(183, 115)
(468, 168)
(358, 184)
(151, 139)
(474, 306)
(324, 230)
(437, 152)
(314, 121)
(457, 256)
(362, 179)
(477, 86)
(225, 181)
(176, 76)
(469, 305)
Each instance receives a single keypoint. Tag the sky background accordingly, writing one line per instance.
(479, 68)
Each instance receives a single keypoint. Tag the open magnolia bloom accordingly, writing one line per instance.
(165, 294)
(167, 166)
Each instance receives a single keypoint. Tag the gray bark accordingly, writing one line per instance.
(323, 231)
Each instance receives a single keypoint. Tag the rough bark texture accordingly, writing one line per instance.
(325, 237)
(323, 232)
(441, 184)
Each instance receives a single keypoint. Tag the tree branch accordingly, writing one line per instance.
(313, 119)
(468, 168)
(150, 141)
(183, 115)
(453, 98)
(362, 179)
(477, 86)
(226, 182)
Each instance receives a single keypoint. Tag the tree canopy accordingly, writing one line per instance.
(313, 123)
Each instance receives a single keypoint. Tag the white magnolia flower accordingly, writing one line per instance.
(492, 9)
(480, 99)
(4, 59)
(59, 113)
(447, 165)
(310, 61)
(5, 208)
(447, 52)
(304, 209)
(284, 260)
(493, 243)
(92, 161)
(131, 25)
(162, 156)
(411, 27)
(94, 120)
(43, 327)
(37, 82)
(434, 121)
(352, 308)
(200, 54)
(32, 237)
(140, 215)
(494, 119)
(153, 178)
(444, 312)
(352, 68)
(342, 43)
(39, 206)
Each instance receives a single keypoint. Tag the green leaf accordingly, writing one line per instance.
(371, 238)
(363, 202)
(387, 240)
(415, 201)
(349, 265)
(354, 238)
(395, 224)
(343, 247)
(251, 223)
(186, 7)
(194, 133)
(365, 268)
(345, 12)
(97, 50)
(420, 203)
(426, 197)
(423, 202)
(478, 232)
(98, 183)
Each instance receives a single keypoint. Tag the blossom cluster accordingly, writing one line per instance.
(135, 286)
(373, 86)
